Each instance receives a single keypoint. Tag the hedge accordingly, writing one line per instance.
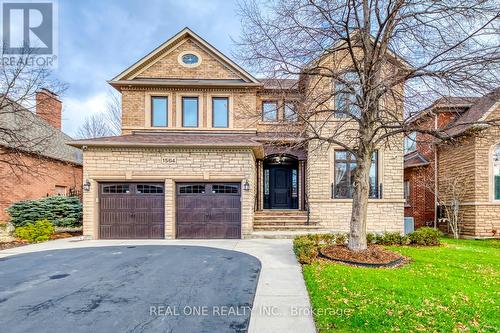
(61, 211)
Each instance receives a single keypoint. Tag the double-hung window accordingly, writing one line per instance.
(346, 90)
(344, 166)
(270, 111)
(159, 111)
(189, 111)
(220, 112)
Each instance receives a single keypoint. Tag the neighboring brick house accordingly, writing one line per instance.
(44, 163)
(195, 158)
(471, 158)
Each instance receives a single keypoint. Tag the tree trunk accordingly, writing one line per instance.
(361, 189)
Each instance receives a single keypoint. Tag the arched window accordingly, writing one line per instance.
(496, 172)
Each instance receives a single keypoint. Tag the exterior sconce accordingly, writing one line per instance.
(246, 186)
(86, 185)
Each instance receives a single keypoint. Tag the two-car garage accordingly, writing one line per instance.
(137, 210)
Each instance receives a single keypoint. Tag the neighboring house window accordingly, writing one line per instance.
(407, 192)
(291, 112)
(345, 164)
(60, 190)
(189, 111)
(270, 111)
(159, 111)
(220, 112)
(411, 142)
(496, 173)
(345, 96)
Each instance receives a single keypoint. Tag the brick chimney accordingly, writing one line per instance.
(48, 107)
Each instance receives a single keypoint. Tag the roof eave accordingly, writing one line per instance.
(131, 83)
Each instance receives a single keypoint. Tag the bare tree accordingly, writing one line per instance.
(451, 192)
(114, 113)
(105, 123)
(94, 126)
(364, 66)
(20, 132)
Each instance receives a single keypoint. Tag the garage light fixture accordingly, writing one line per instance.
(246, 186)
(86, 185)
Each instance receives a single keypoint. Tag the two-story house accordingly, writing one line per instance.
(198, 157)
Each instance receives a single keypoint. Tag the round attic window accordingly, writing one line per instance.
(190, 59)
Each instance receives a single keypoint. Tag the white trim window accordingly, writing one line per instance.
(496, 172)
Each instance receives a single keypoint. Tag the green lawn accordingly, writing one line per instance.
(450, 288)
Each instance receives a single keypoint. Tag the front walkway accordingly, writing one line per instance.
(281, 302)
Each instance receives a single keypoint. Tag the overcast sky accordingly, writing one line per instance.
(100, 38)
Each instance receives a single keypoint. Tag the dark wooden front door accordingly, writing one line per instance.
(280, 180)
(208, 210)
(131, 211)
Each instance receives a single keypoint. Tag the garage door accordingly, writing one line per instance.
(208, 210)
(131, 210)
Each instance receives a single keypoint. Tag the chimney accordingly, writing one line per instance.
(48, 107)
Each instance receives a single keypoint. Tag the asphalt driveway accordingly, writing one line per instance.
(128, 289)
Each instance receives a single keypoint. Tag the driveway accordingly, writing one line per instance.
(149, 288)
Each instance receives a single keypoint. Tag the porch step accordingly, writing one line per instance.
(281, 220)
(284, 234)
(285, 227)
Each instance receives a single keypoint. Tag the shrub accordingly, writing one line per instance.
(62, 211)
(305, 248)
(425, 236)
(370, 238)
(340, 239)
(39, 231)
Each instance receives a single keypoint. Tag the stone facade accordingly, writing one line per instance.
(124, 164)
(144, 164)
(384, 214)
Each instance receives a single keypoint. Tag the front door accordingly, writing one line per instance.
(280, 187)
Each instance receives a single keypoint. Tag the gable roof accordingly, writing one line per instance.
(34, 135)
(415, 159)
(477, 112)
(186, 32)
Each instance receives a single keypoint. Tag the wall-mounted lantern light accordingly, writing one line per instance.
(246, 185)
(86, 185)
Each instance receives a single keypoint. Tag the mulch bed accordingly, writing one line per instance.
(66, 234)
(10, 245)
(374, 256)
(59, 235)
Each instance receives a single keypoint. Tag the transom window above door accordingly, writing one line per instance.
(270, 111)
(189, 111)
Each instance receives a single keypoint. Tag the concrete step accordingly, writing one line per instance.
(284, 234)
(280, 222)
(280, 212)
(281, 218)
(286, 227)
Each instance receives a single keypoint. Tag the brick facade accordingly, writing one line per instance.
(468, 160)
(47, 175)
